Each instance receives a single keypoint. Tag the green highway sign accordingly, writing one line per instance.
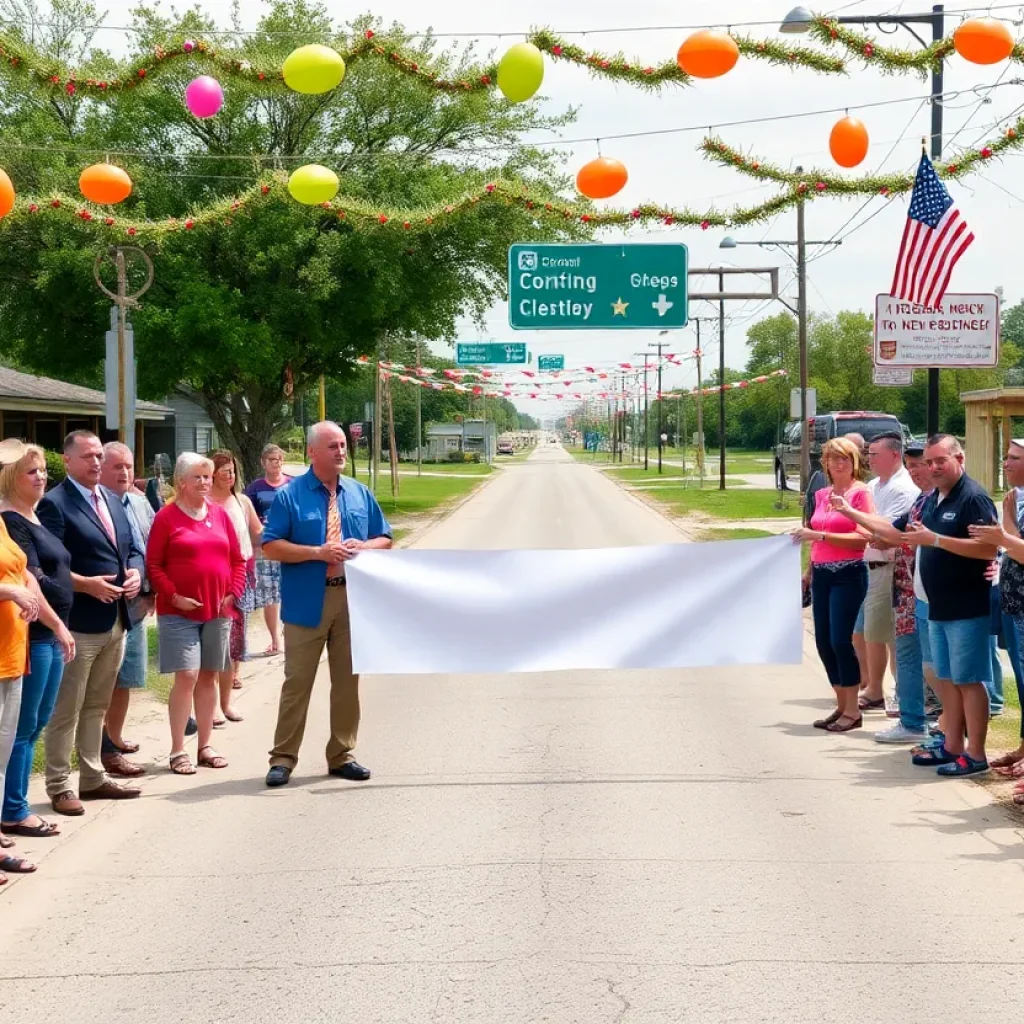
(550, 362)
(606, 287)
(482, 353)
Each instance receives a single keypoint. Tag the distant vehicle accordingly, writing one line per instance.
(554, 440)
(506, 448)
(825, 427)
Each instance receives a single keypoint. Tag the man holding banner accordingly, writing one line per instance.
(318, 522)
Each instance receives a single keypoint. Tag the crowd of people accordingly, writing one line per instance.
(914, 570)
(84, 564)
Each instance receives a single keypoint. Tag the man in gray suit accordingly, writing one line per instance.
(117, 474)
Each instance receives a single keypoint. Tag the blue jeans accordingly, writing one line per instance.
(38, 695)
(1013, 631)
(910, 681)
(836, 599)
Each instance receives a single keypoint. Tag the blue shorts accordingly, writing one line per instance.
(921, 615)
(961, 650)
(132, 674)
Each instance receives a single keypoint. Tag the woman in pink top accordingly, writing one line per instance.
(839, 578)
(197, 571)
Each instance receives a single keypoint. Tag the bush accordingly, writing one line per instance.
(55, 472)
(463, 456)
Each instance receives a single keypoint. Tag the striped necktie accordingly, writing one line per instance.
(334, 569)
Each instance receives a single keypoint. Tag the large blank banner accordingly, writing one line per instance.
(484, 612)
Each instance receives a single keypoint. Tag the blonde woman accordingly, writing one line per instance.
(22, 604)
(196, 568)
(839, 578)
(226, 493)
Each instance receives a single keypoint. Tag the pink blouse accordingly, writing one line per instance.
(827, 520)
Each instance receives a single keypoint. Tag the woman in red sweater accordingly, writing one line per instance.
(197, 571)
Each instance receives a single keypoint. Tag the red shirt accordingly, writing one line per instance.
(197, 559)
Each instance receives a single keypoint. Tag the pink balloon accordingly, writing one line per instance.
(204, 96)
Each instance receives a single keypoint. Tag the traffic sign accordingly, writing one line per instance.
(641, 286)
(551, 362)
(480, 354)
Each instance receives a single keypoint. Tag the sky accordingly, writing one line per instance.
(668, 169)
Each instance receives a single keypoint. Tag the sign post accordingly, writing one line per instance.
(962, 331)
(572, 287)
(484, 353)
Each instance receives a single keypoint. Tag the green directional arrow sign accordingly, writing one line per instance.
(551, 362)
(482, 353)
(597, 287)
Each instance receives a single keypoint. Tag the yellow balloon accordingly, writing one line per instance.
(521, 72)
(313, 69)
(312, 185)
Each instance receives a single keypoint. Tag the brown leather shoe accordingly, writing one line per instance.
(111, 791)
(119, 765)
(67, 803)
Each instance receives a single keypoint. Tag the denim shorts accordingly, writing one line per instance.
(132, 674)
(961, 650)
(921, 615)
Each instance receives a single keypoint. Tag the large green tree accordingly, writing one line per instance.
(253, 308)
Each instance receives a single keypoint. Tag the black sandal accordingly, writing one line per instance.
(824, 723)
(16, 865)
(43, 830)
(837, 726)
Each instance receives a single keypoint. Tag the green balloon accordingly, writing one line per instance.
(521, 72)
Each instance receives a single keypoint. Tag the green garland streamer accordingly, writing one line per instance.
(825, 182)
(228, 63)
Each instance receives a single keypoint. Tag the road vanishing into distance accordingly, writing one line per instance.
(575, 848)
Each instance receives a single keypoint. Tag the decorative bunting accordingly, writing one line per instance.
(233, 63)
(734, 386)
(815, 182)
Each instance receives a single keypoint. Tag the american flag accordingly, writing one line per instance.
(935, 238)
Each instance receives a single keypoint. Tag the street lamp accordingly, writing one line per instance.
(800, 20)
(800, 310)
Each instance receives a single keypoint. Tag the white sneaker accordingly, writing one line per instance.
(899, 734)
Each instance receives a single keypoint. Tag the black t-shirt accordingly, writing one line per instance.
(955, 585)
(49, 562)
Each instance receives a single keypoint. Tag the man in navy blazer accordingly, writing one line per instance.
(106, 569)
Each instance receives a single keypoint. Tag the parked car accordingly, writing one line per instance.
(506, 448)
(823, 428)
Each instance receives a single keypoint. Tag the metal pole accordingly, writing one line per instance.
(377, 421)
(323, 399)
(419, 418)
(721, 384)
(647, 417)
(938, 32)
(801, 305)
(700, 412)
(122, 383)
(660, 445)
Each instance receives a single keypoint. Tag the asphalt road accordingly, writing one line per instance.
(642, 848)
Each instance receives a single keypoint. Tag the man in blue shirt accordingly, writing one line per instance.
(317, 523)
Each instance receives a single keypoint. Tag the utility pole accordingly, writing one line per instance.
(798, 21)
(647, 417)
(801, 317)
(323, 399)
(659, 345)
(419, 415)
(375, 443)
(700, 411)
(721, 384)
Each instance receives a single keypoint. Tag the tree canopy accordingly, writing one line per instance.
(245, 312)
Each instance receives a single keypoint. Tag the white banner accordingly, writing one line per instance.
(963, 330)
(489, 612)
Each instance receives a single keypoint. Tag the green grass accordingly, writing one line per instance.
(748, 503)
(406, 469)
(421, 494)
(398, 535)
(743, 533)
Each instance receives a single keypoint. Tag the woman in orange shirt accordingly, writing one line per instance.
(21, 602)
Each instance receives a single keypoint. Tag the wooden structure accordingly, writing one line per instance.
(989, 429)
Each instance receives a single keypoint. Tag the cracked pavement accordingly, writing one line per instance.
(574, 848)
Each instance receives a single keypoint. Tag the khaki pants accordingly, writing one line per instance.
(82, 703)
(302, 649)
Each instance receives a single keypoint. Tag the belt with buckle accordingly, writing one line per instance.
(336, 581)
(878, 565)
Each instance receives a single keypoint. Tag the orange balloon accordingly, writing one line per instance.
(6, 194)
(105, 184)
(848, 142)
(601, 178)
(983, 41)
(708, 54)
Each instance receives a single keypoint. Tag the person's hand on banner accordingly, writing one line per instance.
(334, 551)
